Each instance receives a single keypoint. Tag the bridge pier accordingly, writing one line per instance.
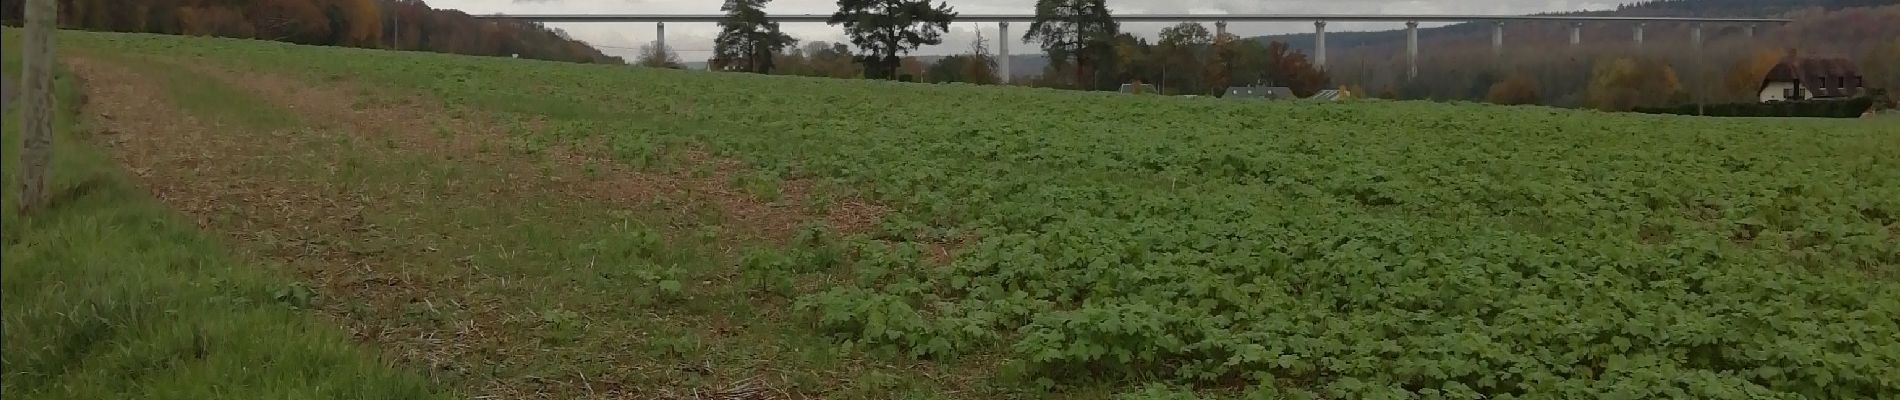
(1749, 30)
(1639, 34)
(1002, 52)
(1497, 39)
(1576, 34)
(1701, 73)
(1220, 29)
(659, 29)
(1411, 50)
(1319, 44)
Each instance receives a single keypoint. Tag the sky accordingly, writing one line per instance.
(693, 42)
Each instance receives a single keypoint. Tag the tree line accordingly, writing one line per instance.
(397, 24)
(1085, 46)
(1086, 50)
(1608, 71)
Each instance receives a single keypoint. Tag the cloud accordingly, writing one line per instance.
(694, 40)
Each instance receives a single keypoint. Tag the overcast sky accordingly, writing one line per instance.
(694, 41)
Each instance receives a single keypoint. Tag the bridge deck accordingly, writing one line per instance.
(1136, 18)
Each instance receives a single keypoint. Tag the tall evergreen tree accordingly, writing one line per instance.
(885, 29)
(1078, 33)
(747, 40)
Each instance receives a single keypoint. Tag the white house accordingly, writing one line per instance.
(1773, 90)
(1797, 78)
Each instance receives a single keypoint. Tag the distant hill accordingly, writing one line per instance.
(402, 24)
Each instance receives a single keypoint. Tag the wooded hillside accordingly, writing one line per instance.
(398, 24)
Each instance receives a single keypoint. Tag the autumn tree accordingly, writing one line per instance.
(1074, 33)
(1620, 84)
(214, 21)
(1290, 68)
(747, 39)
(358, 22)
(1518, 89)
(884, 30)
(295, 21)
(1881, 68)
(1137, 59)
(1745, 78)
(1226, 49)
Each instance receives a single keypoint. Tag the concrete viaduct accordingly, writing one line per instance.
(1220, 25)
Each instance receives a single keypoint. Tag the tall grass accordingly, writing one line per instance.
(107, 295)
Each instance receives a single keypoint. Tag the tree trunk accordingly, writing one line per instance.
(36, 155)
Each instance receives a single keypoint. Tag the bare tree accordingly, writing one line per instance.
(36, 155)
(657, 56)
(981, 66)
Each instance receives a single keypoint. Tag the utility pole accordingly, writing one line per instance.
(36, 120)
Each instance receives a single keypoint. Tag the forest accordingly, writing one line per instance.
(1457, 62)
(388, 24)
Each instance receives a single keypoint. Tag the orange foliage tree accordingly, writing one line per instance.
(1744, 79)
(1515, 90)
(1291, 69)
(1620, 84)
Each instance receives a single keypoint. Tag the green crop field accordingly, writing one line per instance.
(534, 229)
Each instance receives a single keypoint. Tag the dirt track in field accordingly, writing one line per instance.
(210, 171)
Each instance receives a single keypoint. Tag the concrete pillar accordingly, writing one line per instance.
(1497, 39)
(1002, 52)
(1701, 76)
(659, 29)
(1576, 34)
(1750, 30)
(1220, 29)
(1411, 50)
(1639, 34)
(1319, 44)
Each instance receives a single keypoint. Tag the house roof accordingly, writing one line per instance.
(1822, 77)
(1130, 88)
(1328, 95)
(1259, 92)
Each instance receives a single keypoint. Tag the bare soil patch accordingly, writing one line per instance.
(202, 168)
(196, 167)
(415, 123)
